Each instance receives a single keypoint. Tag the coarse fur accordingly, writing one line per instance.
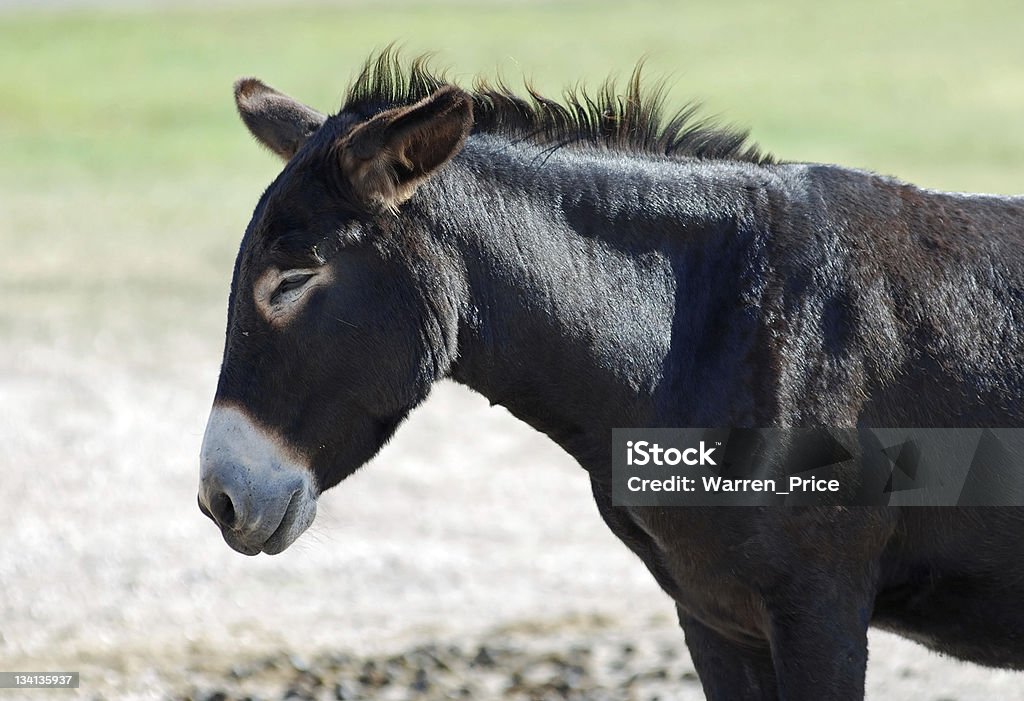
(589, 264)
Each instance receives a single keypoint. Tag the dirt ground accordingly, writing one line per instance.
(468, 530)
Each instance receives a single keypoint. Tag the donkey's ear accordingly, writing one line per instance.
(276, 120)
(387, 157)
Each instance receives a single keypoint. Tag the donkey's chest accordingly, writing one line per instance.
(701, 569)
(716, 577)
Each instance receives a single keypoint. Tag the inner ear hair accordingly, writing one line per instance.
(386, 158)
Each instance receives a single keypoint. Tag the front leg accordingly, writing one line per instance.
(815, 573)
(729, 671)
(817, 652)
(819, 646)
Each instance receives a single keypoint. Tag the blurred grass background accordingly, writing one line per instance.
(126, 179)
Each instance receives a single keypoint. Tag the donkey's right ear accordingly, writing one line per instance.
(276, 120)
(387, 157)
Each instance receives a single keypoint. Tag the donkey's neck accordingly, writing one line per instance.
(601, 290)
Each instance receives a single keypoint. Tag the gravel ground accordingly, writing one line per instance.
(466, 562)
(581, 660)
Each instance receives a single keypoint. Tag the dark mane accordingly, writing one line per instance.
(632, 120)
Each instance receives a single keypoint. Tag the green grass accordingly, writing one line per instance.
(124, 168)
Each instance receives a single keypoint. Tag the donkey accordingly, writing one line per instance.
(590, 263)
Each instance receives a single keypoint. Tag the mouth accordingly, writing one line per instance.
(286, 531)
(297, 517)
(239, 545)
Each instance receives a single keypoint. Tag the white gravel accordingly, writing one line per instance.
(468, 521)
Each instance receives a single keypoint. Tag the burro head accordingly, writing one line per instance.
(340, 315)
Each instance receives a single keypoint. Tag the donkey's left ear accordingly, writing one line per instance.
(387, 157)
(276, 120)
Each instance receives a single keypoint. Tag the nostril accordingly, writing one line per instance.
(223, 510)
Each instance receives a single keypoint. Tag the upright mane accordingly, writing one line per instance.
(633, 120)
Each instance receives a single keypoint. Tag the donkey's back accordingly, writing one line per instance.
(908, 304)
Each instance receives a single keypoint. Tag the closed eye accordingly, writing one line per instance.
(290, 284)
